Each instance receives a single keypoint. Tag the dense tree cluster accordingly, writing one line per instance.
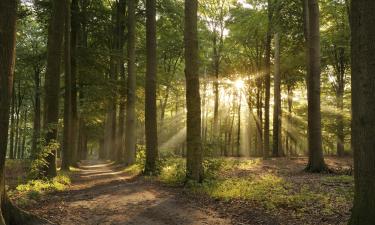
(118, 79)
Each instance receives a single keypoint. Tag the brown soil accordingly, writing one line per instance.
(103, 194)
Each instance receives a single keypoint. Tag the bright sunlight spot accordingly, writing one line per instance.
(239, 84)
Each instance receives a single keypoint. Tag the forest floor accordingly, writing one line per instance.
(247, 191)
(103, 194)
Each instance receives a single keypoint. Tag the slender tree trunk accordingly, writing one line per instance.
(316, 160)
(193, 102)
(37, 115)
(75, 17)
(67, 138)
(52, 86)
(12, 126)
(18, 118)
(289, 119)
(267, 84)
(340, 87)
(340, 123)
(150, 101)
(121, 120)
(239, 126)
(363, 109)
(130, 131)
(216, 68)
(277, 101)
(24, 134)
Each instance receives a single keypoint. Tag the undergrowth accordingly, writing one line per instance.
(33, 190)
(268, 190)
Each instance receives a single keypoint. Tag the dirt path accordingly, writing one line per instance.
(100, 194)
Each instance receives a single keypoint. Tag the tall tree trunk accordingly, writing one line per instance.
(24, 135)
(193, 101)
(67, 138)
(151, 128)
(121, 120)
(52, 82)
(130, 131)
(267, 84)
(289, 124)
(216, 61)
(74, 68)
(18, 119)
(37, 115)
(277, 102)
(239, 125)
(316, 160)
(340, 87)
(9, 214)
(12, 126)
(363, 109)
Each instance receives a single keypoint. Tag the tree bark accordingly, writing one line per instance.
(363, 110)
(52, 82)
(151, 129)
(37, 115)
(12, 126)
(67, 136)
(277, 151)
(121, 120)
(316, 161)
(9, 214)
(193, 101)
(267, 84)
(130, 131)
(75, 17)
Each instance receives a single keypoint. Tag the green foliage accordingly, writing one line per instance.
(173, 171)
(34, 189)
(39, 162)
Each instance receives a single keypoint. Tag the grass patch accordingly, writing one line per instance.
(134, 169)
(339, 179)
(33, 190)
(269, 190)
(173, 171)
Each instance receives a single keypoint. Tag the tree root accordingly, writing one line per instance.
(321, 169)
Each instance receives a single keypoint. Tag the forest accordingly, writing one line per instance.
(187, 112)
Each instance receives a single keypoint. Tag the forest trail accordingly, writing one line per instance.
(103, 194)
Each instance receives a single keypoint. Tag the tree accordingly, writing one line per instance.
(150, 89)
(193, 101)
(121, 8)
(363, 109)
(267, 82)
(52, 83)
(277, 101)
(130, 134)
(73, 86)
(316, 161)
(67, 139)
(8, 10)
